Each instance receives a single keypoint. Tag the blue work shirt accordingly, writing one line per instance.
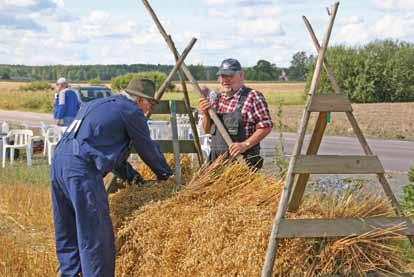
(102, 132)
(66, 104)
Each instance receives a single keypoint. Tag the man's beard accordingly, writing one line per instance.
(228, 90)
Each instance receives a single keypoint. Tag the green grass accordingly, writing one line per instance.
(33, 101)
(20, 173)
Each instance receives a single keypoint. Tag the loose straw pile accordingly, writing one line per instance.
(218, 225)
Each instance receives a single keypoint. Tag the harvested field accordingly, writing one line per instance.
(288, 93)
(8, 85)
(264, 87)
(26, 232)
(379, 120)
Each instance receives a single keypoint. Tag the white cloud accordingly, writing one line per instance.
(261, 27)
(28, 5)
(246, 29)
(388, 26)
(350, 20)
(213, 12)
(18, 23)
(220, 2)
(353, 34)
(402, 5)
(391, 26)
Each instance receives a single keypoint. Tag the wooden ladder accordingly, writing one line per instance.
(311, 163)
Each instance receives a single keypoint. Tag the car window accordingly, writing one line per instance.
(88, 94)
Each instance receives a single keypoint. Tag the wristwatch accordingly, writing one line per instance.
(247, 143)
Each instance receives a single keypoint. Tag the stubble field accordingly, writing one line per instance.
(378, 120)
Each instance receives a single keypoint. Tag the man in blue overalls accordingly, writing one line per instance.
(95, 143)
(243, 111)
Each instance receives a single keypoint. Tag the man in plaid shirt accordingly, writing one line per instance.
(243, 111)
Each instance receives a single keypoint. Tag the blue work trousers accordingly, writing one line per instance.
(83, 227)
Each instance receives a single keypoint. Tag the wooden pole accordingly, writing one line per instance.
(368, 151)
(326, 65)
(176, 147)
(160, 92)
(324, 48)
(314, 144)
(284, 200)
(193, 125)
(220, 127)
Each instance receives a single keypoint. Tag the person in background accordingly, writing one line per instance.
(66, 104)
(243, 111)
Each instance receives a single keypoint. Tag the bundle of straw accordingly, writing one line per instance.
(218, 225)
(127, 200)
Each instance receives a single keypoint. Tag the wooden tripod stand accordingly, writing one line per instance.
(311, 163)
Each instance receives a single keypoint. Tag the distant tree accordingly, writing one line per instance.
(381, 71)
(262, 71)
(299, 66)
(198, 71)
(5, 76)
(121, 82)
(95, 81)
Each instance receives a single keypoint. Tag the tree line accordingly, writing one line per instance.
(262, 71)
(381, 71)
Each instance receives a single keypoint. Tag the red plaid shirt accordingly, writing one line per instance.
(255, 112)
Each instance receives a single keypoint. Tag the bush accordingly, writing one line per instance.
(36, 85)
(121, 82)
(408, 193)
(96, 81)
(381, 71)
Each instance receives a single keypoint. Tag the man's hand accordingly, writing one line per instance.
(204, 105)
(237, 148)
(164, 176)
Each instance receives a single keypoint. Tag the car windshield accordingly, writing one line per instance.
(88, 94)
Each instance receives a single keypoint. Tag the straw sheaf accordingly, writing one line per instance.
(218, 225)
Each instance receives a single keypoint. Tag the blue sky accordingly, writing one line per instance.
(40, 32)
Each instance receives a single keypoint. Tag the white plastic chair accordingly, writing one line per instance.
(184, 131)
(53, 135)
(43, 129)
(159, 129)
(22, 139)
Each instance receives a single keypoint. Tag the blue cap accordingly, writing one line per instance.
(229, 67)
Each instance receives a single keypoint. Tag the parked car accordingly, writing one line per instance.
(89, 93)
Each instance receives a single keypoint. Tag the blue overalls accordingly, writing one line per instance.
(95, 143)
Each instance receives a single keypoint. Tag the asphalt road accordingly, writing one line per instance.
(395, 155)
